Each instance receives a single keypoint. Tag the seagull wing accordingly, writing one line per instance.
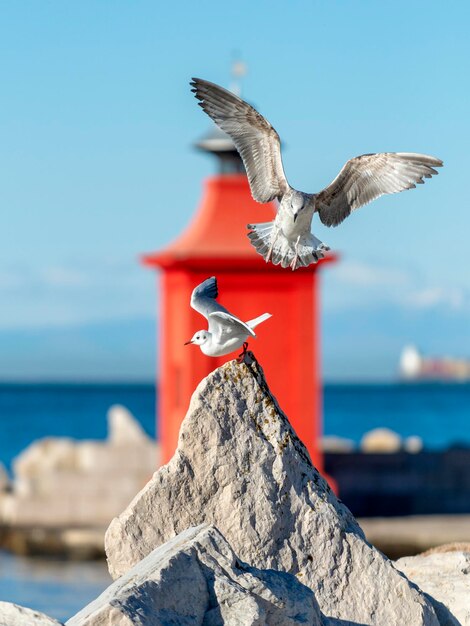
(223, 325)
(370, 176)
(203, 298)
(254, 137)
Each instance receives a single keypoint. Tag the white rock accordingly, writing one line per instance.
(132, 458)
(123, 428)
(45, 456)
(382, 440)
(194, 579)
(60, 483)
(446, 578)
(14, 615)
(240, 466)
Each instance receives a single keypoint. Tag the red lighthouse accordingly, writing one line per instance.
(216, 244)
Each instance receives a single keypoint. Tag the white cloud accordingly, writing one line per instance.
(63, 277)
(362, 274)
(71, 294)
(355, 284)
(432, 297)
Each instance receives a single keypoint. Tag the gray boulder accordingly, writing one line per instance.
(195, 579)
(240, 466)
(15, 615)
(445, 576)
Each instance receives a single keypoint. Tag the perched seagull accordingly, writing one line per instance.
(288, 240)
(226, 332)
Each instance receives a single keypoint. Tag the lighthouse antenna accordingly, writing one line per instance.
(238, 71)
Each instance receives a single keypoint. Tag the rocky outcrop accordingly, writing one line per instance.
(194, 579)
(124, 429)
(14, 615)
(445, 576)
(61, 484)
(240, 466)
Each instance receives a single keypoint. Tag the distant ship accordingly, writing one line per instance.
(414, 367)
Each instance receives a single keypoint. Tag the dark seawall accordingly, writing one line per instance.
(398, 484)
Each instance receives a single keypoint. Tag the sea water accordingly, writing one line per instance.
(31, 412)
(439, 414)
(58, 588)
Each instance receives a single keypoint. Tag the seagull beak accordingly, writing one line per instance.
(295, 216)
(186, 343)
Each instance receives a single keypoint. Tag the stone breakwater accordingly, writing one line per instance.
(63, 494)
(240, 528)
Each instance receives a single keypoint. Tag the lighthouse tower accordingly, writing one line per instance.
(216, 244)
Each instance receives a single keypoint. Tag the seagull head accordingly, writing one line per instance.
(199, 338)
(297, 203)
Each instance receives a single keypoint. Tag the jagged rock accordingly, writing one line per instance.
(15, 615)
(60, 483)
(123, 428)
(381, 440)
(445, 576)
(194, 579)
(240, 466)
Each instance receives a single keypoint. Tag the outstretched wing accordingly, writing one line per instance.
(254, 137)
(203, 298)
(370, 176)
(223, 325)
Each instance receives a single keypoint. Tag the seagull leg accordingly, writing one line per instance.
(241, 356)
(294, 260)
(270, 251)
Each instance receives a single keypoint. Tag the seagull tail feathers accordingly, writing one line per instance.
(258, 320)
(275, 247)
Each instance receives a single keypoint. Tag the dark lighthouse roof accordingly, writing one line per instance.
(218, 143)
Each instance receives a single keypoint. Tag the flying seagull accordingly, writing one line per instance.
(287, 240)
(226, 332)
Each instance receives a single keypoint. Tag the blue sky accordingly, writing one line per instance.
(96, 126)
